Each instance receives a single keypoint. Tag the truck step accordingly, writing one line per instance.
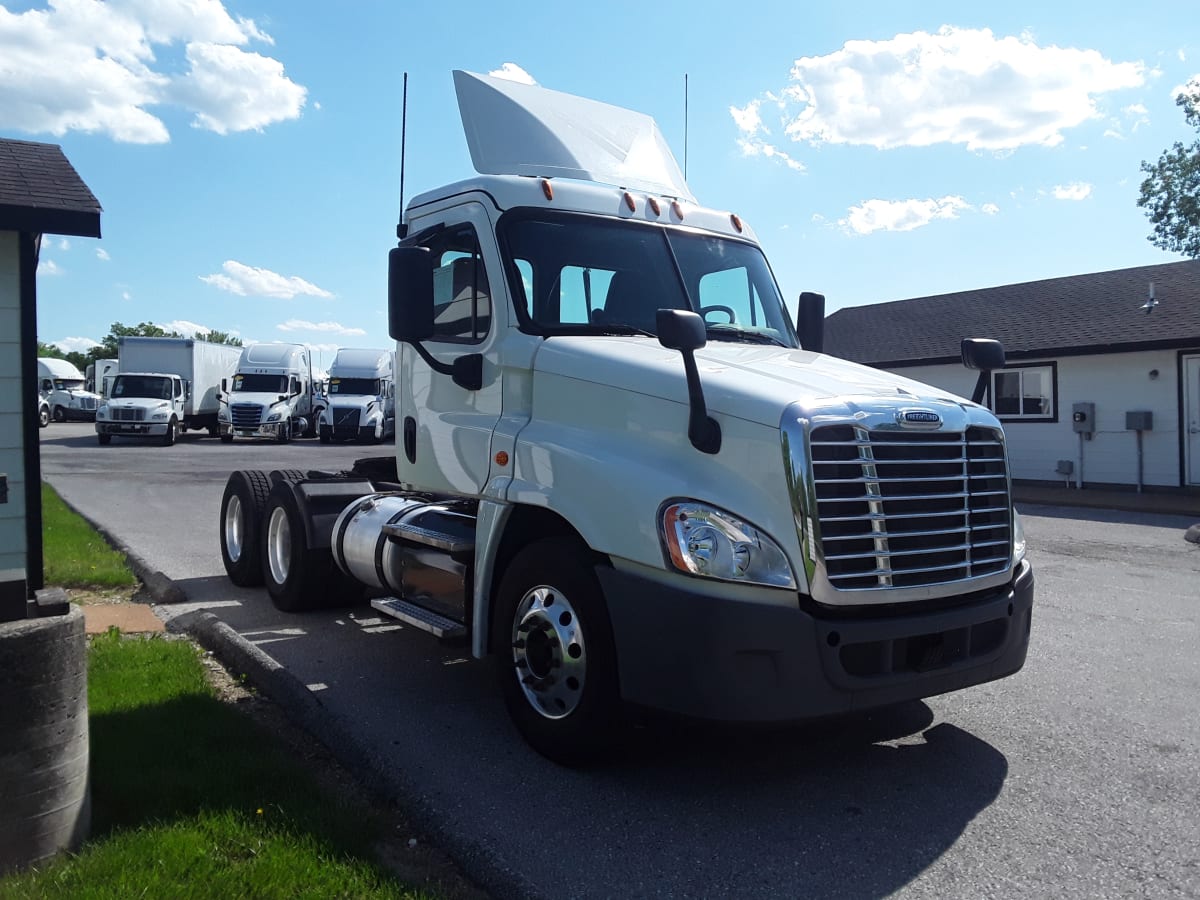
(451, 543)
(420, 617)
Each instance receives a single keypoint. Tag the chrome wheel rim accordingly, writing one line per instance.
(279, 545)
(233, 528)
(549, 653)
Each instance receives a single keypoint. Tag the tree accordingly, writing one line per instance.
(108, 344)
(1170, 193)
(223, 337)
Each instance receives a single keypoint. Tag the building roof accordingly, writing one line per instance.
(1100, 312)
(41, 193)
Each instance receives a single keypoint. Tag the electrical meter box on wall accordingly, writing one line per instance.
(1083, 417)
(1139, 420)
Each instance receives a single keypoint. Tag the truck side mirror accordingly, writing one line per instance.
(684, 330)
(410, 294)
(810, 321)
(986, 355)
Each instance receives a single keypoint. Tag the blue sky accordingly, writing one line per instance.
(246, 154)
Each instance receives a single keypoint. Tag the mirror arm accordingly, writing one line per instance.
(703, 430)
(467, 371)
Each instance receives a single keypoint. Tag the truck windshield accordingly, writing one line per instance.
(153, 387)
(261, 384)
(68, 384)
(358, 386)
(576, 274)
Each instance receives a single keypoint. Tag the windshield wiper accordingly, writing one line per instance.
(618, 328)
(733, 333)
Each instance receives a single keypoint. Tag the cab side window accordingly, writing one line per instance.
(462, 302)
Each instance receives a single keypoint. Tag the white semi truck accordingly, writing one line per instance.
(272, 394)
(164, 387)
(62, 385)
(360, 397)
(623, 475)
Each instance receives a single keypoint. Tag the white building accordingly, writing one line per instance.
(1107, 339)
(40, 193)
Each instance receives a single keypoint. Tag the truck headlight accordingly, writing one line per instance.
(1018, 543)
(222, 415)
(102, 412)
(159, 417)
(274, 417)
(702, 540)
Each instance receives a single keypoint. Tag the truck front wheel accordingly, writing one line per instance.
(242, 507)
(298, 577)
(556, 659)
(168, 438)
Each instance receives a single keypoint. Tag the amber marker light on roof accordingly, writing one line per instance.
(677, 208)
(737, 222)
(654, 207)
(630, 202)
(547, 189)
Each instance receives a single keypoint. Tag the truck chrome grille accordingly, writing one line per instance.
(906, 509)
(130, 414)
(88, 403)
(245, 415)
(345, 422)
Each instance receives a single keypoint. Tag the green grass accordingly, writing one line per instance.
(192, 799)
(75, 555)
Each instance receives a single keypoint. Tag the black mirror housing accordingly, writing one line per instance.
(680, 329)
(410, 294)
(810, 321)
(982, 353)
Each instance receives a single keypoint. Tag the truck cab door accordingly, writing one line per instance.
(445, 432)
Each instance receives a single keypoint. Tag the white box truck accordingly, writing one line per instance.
(164, 387)
(623, 474)
(99, 375)
(62, 385)
(272, 394)
(360, 397)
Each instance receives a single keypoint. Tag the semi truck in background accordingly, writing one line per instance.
(624, 474)
(165, 386)
(360, 397)
(98, 376)
(272, 394)
(63, 387)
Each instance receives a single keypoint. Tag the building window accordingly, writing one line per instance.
(1026, 393)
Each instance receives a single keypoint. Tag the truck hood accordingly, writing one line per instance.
(264, 400)
(353, 401)
(136, 402)
(748, 381)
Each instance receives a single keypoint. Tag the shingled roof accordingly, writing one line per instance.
(41, 193)
(1081, 314)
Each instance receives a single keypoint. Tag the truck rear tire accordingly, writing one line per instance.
(555, 656)
(298, 577)
(242, 507)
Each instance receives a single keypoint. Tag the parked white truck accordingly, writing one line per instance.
(63, 387)
(272, 394)
(620, 473)
(98, 376)
(164, 387)
(360, 397)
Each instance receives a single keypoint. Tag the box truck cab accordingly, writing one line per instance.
(99, 375)
(63, 387)
(360, 397)
(272, 394)
(623, 475)
(144, 405)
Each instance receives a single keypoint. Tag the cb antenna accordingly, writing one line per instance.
(401, 228)
(685, 124)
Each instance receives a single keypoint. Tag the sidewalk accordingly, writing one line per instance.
(1172, 503)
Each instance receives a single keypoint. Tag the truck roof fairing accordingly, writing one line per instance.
(522, 129)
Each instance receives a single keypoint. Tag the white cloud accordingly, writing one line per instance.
(248, 281)
(186, 328)
(230, 89)
(900, 215)
(332, 327)
(1076, 191)
(512, 72)
(770, 151)
(76, 344)
(958, 86)
(83, 65)
(64, 244)
(989, 209)
(102, 254)
(747, 118)
(48, 267)
(125, 295)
